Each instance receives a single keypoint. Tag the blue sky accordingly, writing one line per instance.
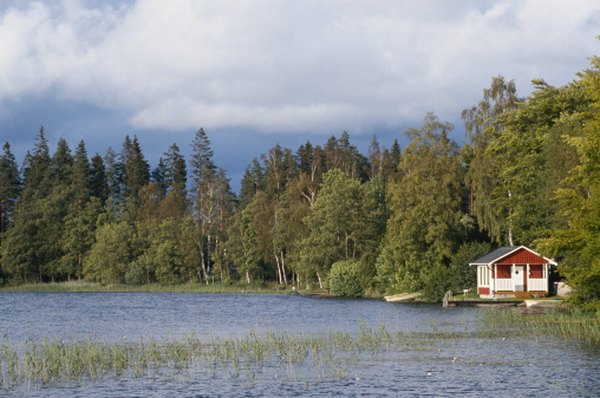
(257, 73)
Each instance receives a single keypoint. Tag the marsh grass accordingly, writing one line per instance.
(327, 356)
(570, 326)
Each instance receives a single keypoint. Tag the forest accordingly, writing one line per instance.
(322, 215)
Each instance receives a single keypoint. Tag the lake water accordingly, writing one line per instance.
(504, 366)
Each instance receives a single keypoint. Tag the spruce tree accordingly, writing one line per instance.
(10, 185)
(80, 175)
(175, 170)
(98, 185)
(136, 168)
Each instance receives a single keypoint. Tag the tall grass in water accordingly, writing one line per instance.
(567, 325)
(56, 361)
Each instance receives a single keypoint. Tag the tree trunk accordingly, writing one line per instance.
(279, 279)
(346, 243)
(320, 281)
(510, 236)
(203, 263)
(283, 269)
(247, 277)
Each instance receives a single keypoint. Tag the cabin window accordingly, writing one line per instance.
(536, 271)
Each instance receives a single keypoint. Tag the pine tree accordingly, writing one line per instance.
(136, 168)
(98, 185)
(61, 164)
(175, 170)
(80, 175)
(32, 251)
(158, 175)
(252, 182)
(114, 177)
(10, 186)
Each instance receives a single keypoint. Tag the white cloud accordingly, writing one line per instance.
(288, 66)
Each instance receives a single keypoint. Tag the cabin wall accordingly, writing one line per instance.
(523, 256)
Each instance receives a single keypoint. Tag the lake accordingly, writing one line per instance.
(465, 366)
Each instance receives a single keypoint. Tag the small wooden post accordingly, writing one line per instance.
(445, 299)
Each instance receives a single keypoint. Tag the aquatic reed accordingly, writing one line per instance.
(55, 361)
(567, 325)
(324, 356)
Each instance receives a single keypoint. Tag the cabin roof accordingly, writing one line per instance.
(496, 254)
(504, 251)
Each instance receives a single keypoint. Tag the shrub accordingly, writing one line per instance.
(345, 279)
(439, 280)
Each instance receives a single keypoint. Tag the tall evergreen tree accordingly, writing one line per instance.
(10, 185)
(32, 245)
(61, 164)
(252, 182)
(158, 175)
(98, 185)
(80, 175)
(114, 171)
(136, 168)
(175, 170)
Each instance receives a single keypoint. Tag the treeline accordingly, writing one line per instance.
(323, 215)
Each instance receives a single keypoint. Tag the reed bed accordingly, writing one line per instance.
(54, 361)
(281, 354)
(570, 326)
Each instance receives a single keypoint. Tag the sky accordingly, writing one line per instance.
(260, 72)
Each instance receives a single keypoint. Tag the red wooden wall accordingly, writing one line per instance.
(522, 256)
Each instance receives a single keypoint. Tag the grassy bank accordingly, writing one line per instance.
(85, 287)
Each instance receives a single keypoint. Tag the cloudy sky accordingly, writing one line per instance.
(257, 73)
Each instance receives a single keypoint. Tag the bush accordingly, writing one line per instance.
(464, 275)
(345, 279)
(439, 280)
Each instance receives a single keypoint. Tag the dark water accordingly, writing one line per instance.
(537, 367)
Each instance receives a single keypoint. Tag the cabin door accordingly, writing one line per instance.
(518, 278)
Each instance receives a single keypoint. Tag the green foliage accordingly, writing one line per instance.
(345, 279)
(334, 224)
(10, 185)
(456, 276)
(577, 242)
(396, 221)
(489, 196)
(425, 204)
(110, 256)
(461, 273)
(437, 282)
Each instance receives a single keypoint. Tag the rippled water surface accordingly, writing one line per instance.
(473, 366)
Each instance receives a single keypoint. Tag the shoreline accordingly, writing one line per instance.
(86, 287)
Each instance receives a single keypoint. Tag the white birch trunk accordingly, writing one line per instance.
(320, 281)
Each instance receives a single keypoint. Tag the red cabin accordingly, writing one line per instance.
(512, 271)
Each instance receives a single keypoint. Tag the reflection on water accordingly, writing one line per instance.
(446, 367)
